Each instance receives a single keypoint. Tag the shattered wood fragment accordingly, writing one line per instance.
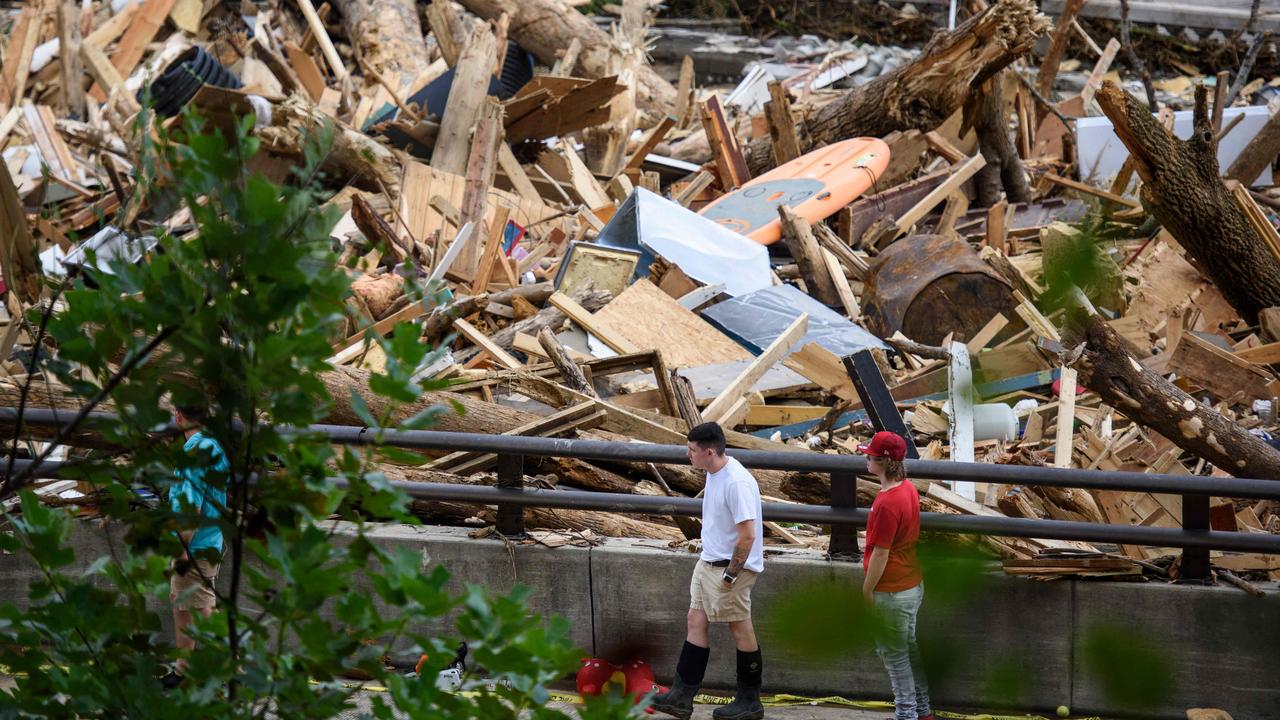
(466, 101)
(69, 57)
(1057, 44)
(782, 125)
(1182, 190)
(804, 248)
(730, 163)
(777, 350)
(570, 373)
(17, 247)
(151, 17)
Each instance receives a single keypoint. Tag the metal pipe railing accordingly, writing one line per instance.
(843, 515)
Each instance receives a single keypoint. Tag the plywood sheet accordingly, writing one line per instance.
(650, 318)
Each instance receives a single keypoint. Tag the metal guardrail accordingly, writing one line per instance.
(842, 514)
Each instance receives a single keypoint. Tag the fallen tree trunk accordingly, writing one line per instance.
(544, 27)
(925, 92)
(1146, 398)
(1003, 170)
(388, 37)
(1181, 188)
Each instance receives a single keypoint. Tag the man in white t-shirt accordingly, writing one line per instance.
(732, 559)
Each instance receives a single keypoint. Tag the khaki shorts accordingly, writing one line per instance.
(194, 590)
(721, 602)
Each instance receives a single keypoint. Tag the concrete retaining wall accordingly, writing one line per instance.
(1031, 644)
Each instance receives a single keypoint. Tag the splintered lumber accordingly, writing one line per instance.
(550, 316)
(1109, 369)
(730, 164)
(1181, 188)
(17, 59)
(1066, 419)
(782, 125)
(133, 45)
(921, 94)
(777, 350)
(584, 319)
(466, 99)
(650, 141)
(387, 36)
(959, 177)
(352, 154)
(17, 246)
(322, 39)
(547, 27)
(108, 78)
(569, 372)
(69, 57)
(824, 369)
(804, 248)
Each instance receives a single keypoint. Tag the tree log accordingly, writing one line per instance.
(544, 27)
(1146, 398)
(440, 321)
(1004, 168)
(569, 372)
(923, 93)
(547, 317)
(388, 37)
(1057, 44)
(1181, 188)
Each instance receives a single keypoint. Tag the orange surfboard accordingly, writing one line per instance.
(815, 186)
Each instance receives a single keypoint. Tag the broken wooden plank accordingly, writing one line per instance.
(586, 321)
(322, 39)
(1066, 419)
(959, 177)
(151, 17)
(466, 100)
(479, 339)
(782, 125)
(730, 162)
(777, 350)
(649, 142)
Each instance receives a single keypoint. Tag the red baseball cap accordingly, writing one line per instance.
(885, 444)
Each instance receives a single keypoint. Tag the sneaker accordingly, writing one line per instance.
(172, 680)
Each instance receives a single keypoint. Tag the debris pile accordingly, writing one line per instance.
(1035, 277)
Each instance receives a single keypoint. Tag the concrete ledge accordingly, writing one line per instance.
(1011, 642)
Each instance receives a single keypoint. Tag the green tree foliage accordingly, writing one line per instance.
(238, 309)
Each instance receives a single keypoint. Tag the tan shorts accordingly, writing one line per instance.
(721, 602)
(194, 590)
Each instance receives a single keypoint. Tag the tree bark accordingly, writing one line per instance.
(925, 92)
(569, 372)
(1004, 168)
(1146, 398)
(388, 37)
(547, 317)
(1259, 154)
(544, 27)
(1181, 188)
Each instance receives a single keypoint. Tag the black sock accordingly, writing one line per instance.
(693, 663)
(750, 668)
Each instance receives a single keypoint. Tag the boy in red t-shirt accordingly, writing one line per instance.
(893, 582)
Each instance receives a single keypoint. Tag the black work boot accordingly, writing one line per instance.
(676, 702)
(745, 706)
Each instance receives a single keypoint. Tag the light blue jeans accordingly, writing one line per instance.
(897, 649)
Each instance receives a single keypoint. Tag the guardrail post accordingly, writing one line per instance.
(844, 538)
(511, 475)
(1195, 561)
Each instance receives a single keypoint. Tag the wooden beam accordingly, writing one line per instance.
(775, 415)
(69, 57)
(107, 77)
(516, 175)
(961, 175)
(482, 341)
(114, 26)
(724, 145)
(466, 99)
(481, 167)
(847, 298)
(17, 59)
(492, 253)
(695, 187)
(1099, 72)
(586, 321)
(322, 38)
(649, 142)
(943, 147)
(782, 125)
(151, 17)
(446, 27)
(987, 333)
(1091, 190)
(305, 68)
(583, 182)
(1066, 419)
(821, 366)
(742, 384)
(580, 416)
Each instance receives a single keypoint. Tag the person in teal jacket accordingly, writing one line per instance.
(198, 490)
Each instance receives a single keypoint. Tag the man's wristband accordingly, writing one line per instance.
(731, 579)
